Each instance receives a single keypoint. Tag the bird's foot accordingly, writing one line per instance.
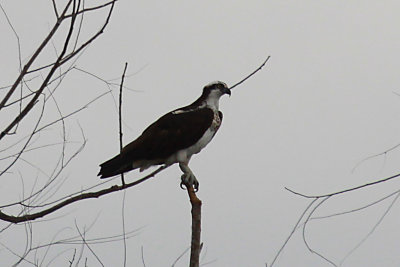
(188, 179)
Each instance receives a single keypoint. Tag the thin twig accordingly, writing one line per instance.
(304, 232)
(76, 240)
(16, 36)
(123, 226)
(87, 245)
(120, 150)
(19, 100)
(356, 209)
(345, 190)
(372, 230)
(180, 256)
(142, 252)
(384, 153)
(84, 10)
(26, 143)
(57, 16)
(251, 74)
(292, 232)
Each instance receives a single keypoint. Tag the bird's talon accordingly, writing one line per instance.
(182, 185)
(188, 179)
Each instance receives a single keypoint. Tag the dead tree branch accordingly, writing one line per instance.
(120, 150)
(292, 232)
(68, 201)
(251, 74)
(196, 244)
(35, 55)
(120, 116)
(345, 190)
(320, 199)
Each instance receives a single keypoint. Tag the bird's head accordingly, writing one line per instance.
(212, 92)
(216, 89)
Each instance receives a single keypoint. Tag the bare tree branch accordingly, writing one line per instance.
(196, 244)
(142, 253)
(180, 256)
(84, 10)
(97, 194)
(373, 228)
(26, 143)
(251, 74)
(325, 197)
(292, 232)
(55, 9)
(120, 150)
(61, 59)
(120, 116)
(85, 44)
(16, 35)
(35, 55)
(123, 226)
(33, 101)
(82, 235)
(384, 153)
(345, 190)
(313, 251)
(356, 209)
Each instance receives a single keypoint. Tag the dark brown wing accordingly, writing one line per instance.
(170, 133)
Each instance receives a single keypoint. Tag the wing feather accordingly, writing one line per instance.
(170, 133)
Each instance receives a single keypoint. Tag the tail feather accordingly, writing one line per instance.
(112, 167)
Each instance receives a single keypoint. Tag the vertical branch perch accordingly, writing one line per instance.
(121, 86)
(196, 245)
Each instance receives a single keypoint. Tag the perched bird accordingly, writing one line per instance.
(173, 138)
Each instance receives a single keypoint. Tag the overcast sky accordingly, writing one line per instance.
(327, 99)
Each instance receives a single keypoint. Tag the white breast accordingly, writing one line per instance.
(184, 155)
(204, 140)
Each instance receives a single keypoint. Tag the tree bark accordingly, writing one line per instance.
(196, 244)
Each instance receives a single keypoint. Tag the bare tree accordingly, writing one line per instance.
(30, 109)
(28, 106)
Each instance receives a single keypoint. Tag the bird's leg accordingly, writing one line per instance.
(188, 177)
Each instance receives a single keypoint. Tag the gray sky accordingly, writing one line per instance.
(325, 101)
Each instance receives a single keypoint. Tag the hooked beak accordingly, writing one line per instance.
(227, 91)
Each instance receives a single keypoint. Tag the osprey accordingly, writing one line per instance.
(173, 138)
